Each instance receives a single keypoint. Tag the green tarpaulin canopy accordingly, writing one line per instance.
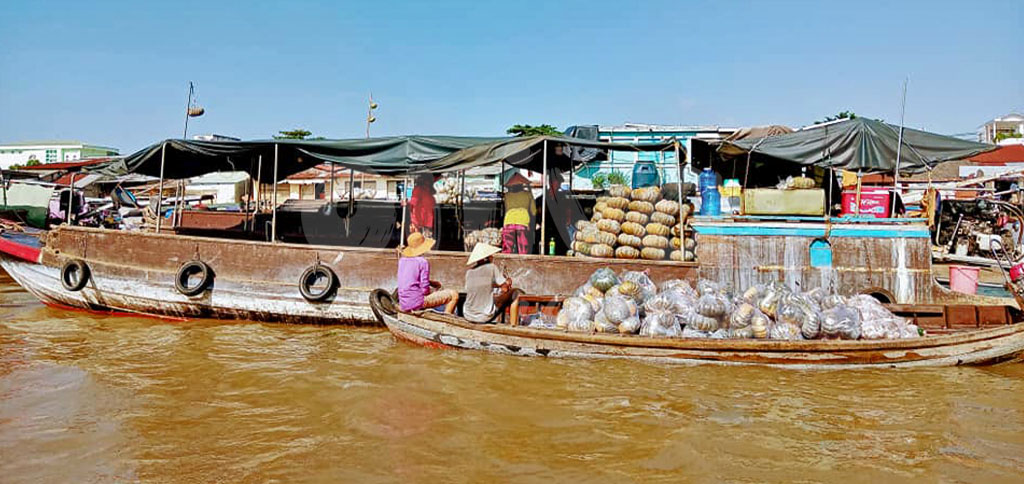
(527, 152)
(385, 156)
(860, 144)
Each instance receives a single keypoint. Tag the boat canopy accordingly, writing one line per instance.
(858, 144)
(385, 156)
(564, 153)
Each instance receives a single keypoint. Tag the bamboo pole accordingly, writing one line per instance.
(544, 196)
(679, 186)
(273, 217)
(160, 186)
(71, 197)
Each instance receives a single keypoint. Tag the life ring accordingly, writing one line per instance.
(310, 277)
(383, 302)
(74, 275)
(187, 271)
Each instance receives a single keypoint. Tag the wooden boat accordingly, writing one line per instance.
(964, 347)
(135, 272)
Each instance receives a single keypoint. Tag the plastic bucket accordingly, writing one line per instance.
(963, 279)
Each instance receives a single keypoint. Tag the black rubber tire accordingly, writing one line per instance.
(308, 277)
(68, 272)
(186, 271)
(383, 302)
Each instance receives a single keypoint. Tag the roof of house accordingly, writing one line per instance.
(1001, 155)
(220, 178)
(67, 165)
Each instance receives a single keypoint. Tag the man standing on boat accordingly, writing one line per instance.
(482, 303)
(415, 289)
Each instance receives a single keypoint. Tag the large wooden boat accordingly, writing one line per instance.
(964, 347)
(135, 272)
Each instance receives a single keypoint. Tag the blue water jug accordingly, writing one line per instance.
(708, 180)
(710, 202)
(645, 174)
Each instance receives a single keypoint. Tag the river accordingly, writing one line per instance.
(96, 398)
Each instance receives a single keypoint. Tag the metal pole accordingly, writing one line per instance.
(160, 186)
(332, 185)
(544, 196)
(71, 197)
(273, 218)
(188, 103)
(405, 203)
(259, 191)
(899, 146)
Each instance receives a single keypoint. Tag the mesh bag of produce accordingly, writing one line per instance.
(707, 286)
(720, 333)
(797, 310)
(680, 286)
(832, 301)
(713, 305)
(759, 325)
(754, 293)
(841, 322)
(742, 316)
(602, 325)
(741, 333)
(692, 319)
(603, 279)
(617, 308)
(689, 332)
(769, 302)
(630, 325)
(647, 287)
(660, 324)
(783, 331)
(575, 311)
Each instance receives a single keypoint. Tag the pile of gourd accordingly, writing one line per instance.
(630, 303)
(446, 191)
(489, 236)
(635, 224)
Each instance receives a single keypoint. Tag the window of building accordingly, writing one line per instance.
(51, 156)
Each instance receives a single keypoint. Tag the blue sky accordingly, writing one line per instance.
(116, 73)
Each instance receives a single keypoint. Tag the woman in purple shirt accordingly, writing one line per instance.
(415, 289)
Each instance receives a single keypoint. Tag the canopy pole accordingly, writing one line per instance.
(462, 205)
(160, 186)
(259, 191)
(405, 204)
(332, 184)
(899, 146)
(544, 197)
(248, 200)
(71, 197)
(856, 204)
(679, 187)
(273, 218)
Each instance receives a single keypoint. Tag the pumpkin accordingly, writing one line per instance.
(618, 191)
(712, 306)
(689, 244)
(605, 238)
(581, 247)
(686, 210)
(689, 256)
(647, 194)
(596, 217)
(800, 182)
(617, 202)
(657, 229)
(630, 241)
(602, 198)
(627, 252)
(614, 214)
(667, 207)
(744, 333)
(651, 253)
(600, 206)
(603, 279)
(759, 325)
(609, 225)
(741, 317)
(637, 217)
(664, 219)
(655, 241)
(641, 206)
(633, 228)
(676, 255)
(629, 289)
(675, 230)
(695, 321)
(602, 325)
(630, 325)
(601, 250)
(584, 225)
(676, 242)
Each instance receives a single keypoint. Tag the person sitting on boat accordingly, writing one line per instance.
(415, 289)
(482, 303)
(421, 205)
(520, 210)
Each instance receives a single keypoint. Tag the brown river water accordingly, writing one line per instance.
(89, 398)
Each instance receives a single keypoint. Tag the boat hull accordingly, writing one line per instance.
(980, 347)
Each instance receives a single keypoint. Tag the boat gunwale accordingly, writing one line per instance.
(741, 345)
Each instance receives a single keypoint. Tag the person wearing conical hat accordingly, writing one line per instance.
(520, 212)
(483, 304)
(415, 289)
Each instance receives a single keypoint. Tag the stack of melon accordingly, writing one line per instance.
(684, 246)
(632, 224)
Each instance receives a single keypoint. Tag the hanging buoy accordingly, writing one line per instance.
(196, 111)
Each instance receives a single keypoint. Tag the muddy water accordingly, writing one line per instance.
(86, 398)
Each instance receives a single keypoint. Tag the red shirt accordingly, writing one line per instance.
(421, 207)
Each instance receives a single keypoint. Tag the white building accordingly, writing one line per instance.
(226, 187)
(50, 152)
(1006, 127)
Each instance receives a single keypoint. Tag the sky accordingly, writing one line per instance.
(117, 73)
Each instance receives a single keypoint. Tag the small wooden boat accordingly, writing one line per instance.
(953, 348)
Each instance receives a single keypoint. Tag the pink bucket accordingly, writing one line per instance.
(963, 279)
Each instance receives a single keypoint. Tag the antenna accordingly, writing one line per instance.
(899, 146)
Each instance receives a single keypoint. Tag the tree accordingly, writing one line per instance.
(841, 115)
(521, 130)
(33, 162)
(298, 133)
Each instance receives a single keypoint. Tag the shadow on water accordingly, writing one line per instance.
(87, 397)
